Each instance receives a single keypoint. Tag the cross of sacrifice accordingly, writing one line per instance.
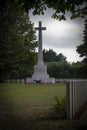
(40, 52)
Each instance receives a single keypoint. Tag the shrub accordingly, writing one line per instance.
(60, 105)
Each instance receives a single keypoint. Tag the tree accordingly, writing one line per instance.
(82, 49)
(67, 70)
(30, 45)
(79, 70)
(60, 57)
(17, 42)
(77, 8)
(51, 56)
(59, 70)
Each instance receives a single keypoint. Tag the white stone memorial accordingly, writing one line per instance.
(40, 70)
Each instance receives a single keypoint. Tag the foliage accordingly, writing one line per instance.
(67, 70)
(17, 42)
(79, 70)
(59, 70)
(58, 67)
(82, 49)
(60, 105)
(52, 56)
(77, 8)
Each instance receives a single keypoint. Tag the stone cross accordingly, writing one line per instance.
(40, 52)
(40, 69)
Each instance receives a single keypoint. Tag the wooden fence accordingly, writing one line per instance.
(76, 92)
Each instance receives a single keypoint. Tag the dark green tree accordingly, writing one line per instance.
(60, 57)
(79, 70)
(49, 55)
(30, 44)
(52, 56)
(67, 70)
(77, 8)
(60, 70)
(17, 42)
(82, 49)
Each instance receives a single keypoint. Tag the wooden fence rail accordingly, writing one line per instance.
(76, 92)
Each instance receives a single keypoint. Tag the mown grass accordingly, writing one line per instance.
(34, 98)
(28, 101)
(24, 106)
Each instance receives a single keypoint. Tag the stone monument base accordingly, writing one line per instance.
(42, 81)
(40, 75)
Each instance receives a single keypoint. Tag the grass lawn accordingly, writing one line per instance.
(24, 106)
(30, 100)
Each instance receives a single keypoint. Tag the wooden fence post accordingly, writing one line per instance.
(76, 92)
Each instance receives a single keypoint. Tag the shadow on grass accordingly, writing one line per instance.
(52, 121)
(11, 121)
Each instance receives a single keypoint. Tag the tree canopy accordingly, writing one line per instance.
(77, 8)
(17, 43)
(52, 56)
(82, 49)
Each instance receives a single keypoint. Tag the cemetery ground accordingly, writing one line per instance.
(32, 107)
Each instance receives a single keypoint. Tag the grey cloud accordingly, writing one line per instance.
(70, 39)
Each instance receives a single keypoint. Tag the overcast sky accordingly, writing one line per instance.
(61, 36)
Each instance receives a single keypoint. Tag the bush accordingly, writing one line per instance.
(60, 105)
